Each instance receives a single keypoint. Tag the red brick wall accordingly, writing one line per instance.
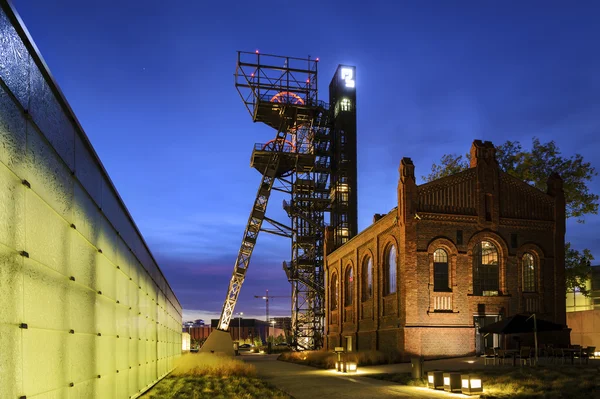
(428, 217)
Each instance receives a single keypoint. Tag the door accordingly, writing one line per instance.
(483, 341)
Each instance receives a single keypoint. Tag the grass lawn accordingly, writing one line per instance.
(526, 382)
(202, 375)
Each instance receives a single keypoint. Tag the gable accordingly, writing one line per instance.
(518, 200)
(452, 194)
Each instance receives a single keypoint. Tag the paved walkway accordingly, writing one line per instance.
(303, 382)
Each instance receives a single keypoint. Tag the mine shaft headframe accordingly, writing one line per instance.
(266, 82)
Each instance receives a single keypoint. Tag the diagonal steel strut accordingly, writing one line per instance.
(253, 227)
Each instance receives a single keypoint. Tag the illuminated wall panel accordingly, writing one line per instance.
(84, 310)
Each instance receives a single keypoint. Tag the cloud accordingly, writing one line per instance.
(202, 283)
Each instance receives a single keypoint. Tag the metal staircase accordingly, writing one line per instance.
(296, 162)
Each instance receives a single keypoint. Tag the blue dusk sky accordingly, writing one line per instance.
(152, 84)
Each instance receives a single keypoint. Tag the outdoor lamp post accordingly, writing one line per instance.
(471, 384)
(435, 379)
(452, 382)
(272, 322)
(240, 326)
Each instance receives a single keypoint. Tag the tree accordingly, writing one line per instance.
(534, 167)
(449, 165)
(577, 268)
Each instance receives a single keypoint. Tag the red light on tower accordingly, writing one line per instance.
(307, 80)
(256, 51)
(317, 59)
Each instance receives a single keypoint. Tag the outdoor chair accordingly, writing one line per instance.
(501, 355)
(525, 355)
(489, 355)
(551, 355)
(583, 354)
(542, 350)
(591, 352)
(559, 353)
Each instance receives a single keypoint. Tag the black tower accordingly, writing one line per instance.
(343, 193)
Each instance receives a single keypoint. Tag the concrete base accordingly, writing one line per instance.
(218, 342)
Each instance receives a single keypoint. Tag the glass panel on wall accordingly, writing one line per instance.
(485, 269)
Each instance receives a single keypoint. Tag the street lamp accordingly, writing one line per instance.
(240, 326)
(273, 335)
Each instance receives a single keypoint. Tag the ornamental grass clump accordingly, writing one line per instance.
(326, 360)
(197, 364)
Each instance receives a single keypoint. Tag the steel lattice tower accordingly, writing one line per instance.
(282, 93)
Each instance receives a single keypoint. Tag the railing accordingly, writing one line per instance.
(304, 148)
(442, 301)
(532, 304)
(291, 97)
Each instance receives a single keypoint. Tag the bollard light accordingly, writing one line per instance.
(471, 384)
(435, 379)
(452, 382)
(351, 367)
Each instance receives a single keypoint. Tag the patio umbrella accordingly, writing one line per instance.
(519, 324)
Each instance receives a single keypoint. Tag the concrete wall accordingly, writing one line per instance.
(585, 328)
(85, 311)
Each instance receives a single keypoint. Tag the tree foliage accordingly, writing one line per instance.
(577, 268)
(534, 166)
(449, 165)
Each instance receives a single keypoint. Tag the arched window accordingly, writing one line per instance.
(440, 271)
(349, 286)
(390, 271)
(485, 269)
(529, 273)
(334, 292)
(367, 279)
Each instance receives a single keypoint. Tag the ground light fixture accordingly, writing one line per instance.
(351, 367)
(452, 382)
(471, 384)
(435, 379)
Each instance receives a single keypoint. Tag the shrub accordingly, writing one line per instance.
(199, 364)
(324, 359)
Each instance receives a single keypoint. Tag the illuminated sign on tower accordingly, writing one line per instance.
(347, 75)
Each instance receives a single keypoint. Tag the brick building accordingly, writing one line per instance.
(457, 253)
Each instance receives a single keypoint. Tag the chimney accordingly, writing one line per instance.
(483, 152)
